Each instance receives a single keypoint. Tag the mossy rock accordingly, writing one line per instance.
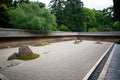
(23, 57)
(24, 53)
(77, 41)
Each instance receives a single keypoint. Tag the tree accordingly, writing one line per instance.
(109, 18)
(23, 1)
(42, 5)
(31, 16)
(99, 20)
(72, 14)
(93, 30)
(6, 2)
(56, 7)
(117, 9)
(68, 13)
(63, 28)
(88, 17)
(4, 17)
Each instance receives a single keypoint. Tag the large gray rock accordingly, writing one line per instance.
(25, 50)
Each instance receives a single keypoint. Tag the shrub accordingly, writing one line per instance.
(32, 17)
(116, 26)
(63, 28)
(93, 30)
(118, 42)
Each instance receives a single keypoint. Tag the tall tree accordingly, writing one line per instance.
(7, 2)
(88, 17)
(25, 1)
(72, 12)
(117, 8)
(109, 18)
(56, 7)
(42, 5)
(68, 13)
(4, 17)
(99, 22)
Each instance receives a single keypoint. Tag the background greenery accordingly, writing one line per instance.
(31, 16)
(61, 15)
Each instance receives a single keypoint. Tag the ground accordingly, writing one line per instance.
(58, 61)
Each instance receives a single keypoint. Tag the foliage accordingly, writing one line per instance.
(83, 27)
(78, 18)
(6, 2)
(67, 12)
(32, 17)
(63, 28)
(54, 28)
(72, 14)
(56, 7)
(21, 1)
(99, 20)
(42, 5)
(118, 42)
(116, 26)
(4, 17)
(93, 30)
(89, 17)
(109, 18)
(26, 57)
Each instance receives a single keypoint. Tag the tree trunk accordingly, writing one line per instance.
(117, 8)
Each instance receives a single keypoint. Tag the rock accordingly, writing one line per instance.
(13, 56)
(25, 50)
(13, 64)
(3, 77)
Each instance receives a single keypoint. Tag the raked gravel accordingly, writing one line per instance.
(57, 61)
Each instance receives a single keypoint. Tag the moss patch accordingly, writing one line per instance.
(26, 57)
(98, 42)
(40, 44)
(76, 42)
(118, 42)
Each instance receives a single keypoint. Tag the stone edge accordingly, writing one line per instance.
(105, 68)
(97, 63)
(3, 77)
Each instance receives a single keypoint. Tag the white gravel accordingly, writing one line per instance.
(57, 61)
